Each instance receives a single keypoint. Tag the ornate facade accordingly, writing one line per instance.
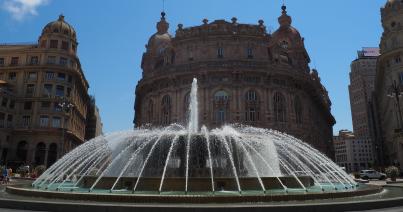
(388, 83)
(246, 75)
(44, 97)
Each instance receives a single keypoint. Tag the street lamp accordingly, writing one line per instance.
(395, 92)
(65, 105)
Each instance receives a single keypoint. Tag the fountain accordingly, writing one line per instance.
(191, 164)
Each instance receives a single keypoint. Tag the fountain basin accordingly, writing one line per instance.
(196, 184)
(195, 197)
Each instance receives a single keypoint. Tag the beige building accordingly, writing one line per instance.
(361, 88)
(246, 75)
(362, 82)
(44, 97)
(389, 79)
(353, 153)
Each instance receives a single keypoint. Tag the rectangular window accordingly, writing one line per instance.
(12, 76)
(47, 90)
(2, 120)
(250, 53)
(63, 61)
(59, 90)
(44, 121)
(14, 61)
(34, 60)
(65, 45)
(56, 122)
(220, 52)
(51, 60)
(26, 121)
(9, 121)
(30, 90)
(12, 104)
(32, 76)
(27, 105)
(401, 78)
(1, 76)
(49, 75)
(69, 79)
(4, 102)
(1, 61)
(61, 76)
(54, 44)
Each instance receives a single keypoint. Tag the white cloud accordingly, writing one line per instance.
(20, 9)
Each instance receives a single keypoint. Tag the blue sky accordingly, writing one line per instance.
(112, 36)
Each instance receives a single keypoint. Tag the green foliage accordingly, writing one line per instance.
(392, 172)
(39, 170)
(22, 171)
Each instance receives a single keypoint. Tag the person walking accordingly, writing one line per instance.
(5, 175)
(9, 173)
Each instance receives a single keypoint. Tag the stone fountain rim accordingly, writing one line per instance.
(193, 199)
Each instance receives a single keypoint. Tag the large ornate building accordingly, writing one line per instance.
(389, 80)
(246, 75)
(44, 97)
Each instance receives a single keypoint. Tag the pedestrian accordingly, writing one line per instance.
(9, 173)
(5, 175)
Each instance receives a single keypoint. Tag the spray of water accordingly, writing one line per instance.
(176, 152)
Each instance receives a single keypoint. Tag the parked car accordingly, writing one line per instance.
(372, 174)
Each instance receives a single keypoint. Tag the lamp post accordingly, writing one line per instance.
(395, 93)
(66, 106)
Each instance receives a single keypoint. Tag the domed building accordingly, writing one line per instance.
(388, 85)
(245, 75)
(44, 98)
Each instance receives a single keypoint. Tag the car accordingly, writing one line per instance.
(372, 174)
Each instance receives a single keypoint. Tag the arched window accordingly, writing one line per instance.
(221, 96)
(150, 112)
(166, 110)
(40, 153)
(298, 110)
(251, 96)
(279, 107)
(22, 149)
(52, 154)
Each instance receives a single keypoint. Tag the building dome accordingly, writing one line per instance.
(286, 32)
(60, 27)
(162, 39)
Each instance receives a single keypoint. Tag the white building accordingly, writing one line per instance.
(353, 153)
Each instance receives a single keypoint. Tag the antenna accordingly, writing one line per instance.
(283, 2)
(163, 5)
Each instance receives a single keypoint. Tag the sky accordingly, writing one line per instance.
(112, 37)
